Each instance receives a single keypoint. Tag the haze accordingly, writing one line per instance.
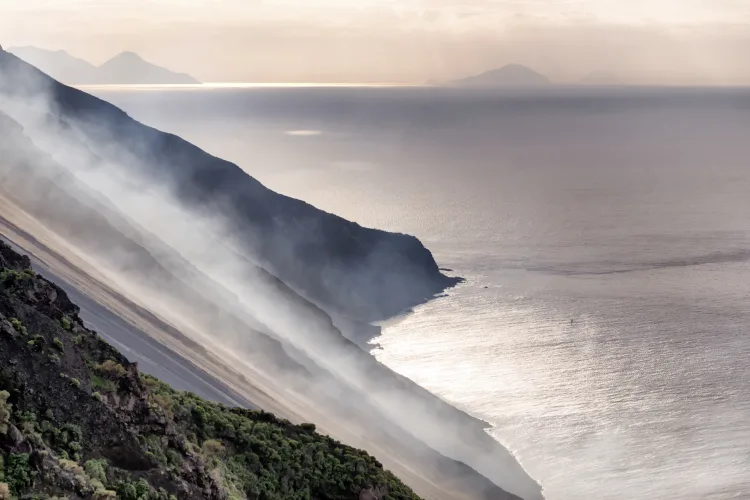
(683, 42)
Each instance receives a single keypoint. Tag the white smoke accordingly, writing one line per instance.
(212, 261)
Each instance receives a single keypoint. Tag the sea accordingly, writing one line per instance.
(603, 330)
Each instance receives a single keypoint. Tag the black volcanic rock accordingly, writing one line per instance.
(363, 273)
(510, 76)
(124, 68)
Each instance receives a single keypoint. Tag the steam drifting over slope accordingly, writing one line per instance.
(250, 276)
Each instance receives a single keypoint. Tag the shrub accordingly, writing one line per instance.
(37, 343)
(308, 427)
(104, 495)
(54, 359)
(165, 403)
(57, 344)
(97, 396)
(212, 447)
(72, 466)
(66, 440)
(9, 277)
(19, 326)
(142, 488)
(127, 491)
(96, 469)
(66, 324)
(111, 369)
(75, 382)
(103, 384)
(18, 473)
(5, 411)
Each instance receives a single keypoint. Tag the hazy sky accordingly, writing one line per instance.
(639, 41)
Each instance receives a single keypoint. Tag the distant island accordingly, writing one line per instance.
(510, 76)
(124, 68)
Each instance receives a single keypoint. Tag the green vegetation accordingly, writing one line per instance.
(19, 326)
(97, 469)
(66, 324)
(93, 427)
(104, 495)
(259, 455)
(57, 344)
(37, 343)
(111, 369)
(5, 410)
(102, 384)
(9, 277)
(18, 472)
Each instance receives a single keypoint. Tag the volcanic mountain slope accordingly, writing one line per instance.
(88, 224)
(78, 420)
(364, 273)
(241, 324)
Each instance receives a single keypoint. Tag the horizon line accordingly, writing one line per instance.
(260, 85)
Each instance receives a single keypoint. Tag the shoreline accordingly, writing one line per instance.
(431, 482)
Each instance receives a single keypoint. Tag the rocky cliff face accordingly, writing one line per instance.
(78, 420)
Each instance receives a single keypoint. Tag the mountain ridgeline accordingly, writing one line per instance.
(359, 272)
(124, 68)
(248, 287)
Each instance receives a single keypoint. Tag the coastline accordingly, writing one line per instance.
(299, 366)
(437, 478)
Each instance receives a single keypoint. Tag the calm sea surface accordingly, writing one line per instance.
(604, 330)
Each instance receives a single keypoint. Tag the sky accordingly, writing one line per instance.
(629, 41)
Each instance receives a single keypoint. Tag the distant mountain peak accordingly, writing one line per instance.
(510, 75)
(127, 67)
(126, 58)
(127, 55)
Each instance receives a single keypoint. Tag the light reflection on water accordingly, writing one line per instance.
(626, 212)
(625, 402)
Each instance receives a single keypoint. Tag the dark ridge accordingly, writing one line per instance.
(367, 274)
